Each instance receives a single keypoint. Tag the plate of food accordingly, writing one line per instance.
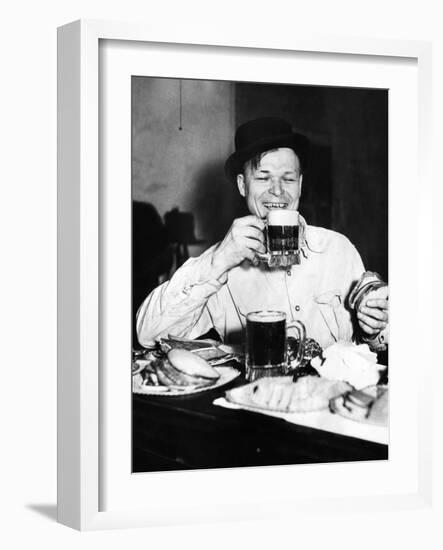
(178, 372)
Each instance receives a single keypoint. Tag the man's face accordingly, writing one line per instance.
(275, 183)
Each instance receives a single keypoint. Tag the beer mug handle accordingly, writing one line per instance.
(301, 330)
(265, 257)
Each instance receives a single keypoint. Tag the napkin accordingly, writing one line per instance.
(355, 364)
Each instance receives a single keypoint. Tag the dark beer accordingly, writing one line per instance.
(282, 232)
(282, 239)
(266, 339)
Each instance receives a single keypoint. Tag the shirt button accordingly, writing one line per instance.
(297, 308)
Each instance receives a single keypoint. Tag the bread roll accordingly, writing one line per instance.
(281, 394)
(191, 364)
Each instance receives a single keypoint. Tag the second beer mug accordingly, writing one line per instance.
(267, 345)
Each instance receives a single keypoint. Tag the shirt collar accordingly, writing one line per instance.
(310, 239)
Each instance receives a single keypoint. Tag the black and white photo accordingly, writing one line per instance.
(260, 318)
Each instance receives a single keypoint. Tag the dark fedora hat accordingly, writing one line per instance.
(263, 134)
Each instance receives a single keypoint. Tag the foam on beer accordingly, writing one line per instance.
(283, 217)
(266, 316)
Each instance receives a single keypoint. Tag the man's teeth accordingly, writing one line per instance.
(271, 205)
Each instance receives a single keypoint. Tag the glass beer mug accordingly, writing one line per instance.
(267, 344)
(282, 238)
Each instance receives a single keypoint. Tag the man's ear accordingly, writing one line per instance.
(301, 181)
(241, 184)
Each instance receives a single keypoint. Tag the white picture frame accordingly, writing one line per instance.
(80, 437)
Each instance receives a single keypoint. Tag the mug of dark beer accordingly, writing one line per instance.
(282, 236)
(267, 344)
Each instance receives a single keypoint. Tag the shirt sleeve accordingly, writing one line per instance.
(178, 306)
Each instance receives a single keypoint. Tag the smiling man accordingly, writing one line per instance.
(218, 289)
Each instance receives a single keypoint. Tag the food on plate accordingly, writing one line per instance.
(282, 394)
(369, 405)
(207, 349)
(179, 368)
(139, 365)
(168, 376)
(190, 364)
(355, 364)
(173, 342)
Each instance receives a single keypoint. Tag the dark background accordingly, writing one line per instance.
(177, 174)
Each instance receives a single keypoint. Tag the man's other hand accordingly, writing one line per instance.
(373, 312)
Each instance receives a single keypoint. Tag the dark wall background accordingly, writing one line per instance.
(346, 186)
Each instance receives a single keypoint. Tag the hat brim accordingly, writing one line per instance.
(297, 142)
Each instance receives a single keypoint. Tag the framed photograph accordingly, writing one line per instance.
(170, 150)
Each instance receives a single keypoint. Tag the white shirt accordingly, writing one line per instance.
(315, 292)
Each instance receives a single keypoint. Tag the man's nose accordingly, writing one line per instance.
(276, 187)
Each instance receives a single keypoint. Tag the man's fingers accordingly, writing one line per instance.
(379, 303)
(251, 255)
(370, 321)
(373, 315)
(367, 329)
(251, 251)
(252, 233)
(255, 245)
(250, 220)
(380, 314)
